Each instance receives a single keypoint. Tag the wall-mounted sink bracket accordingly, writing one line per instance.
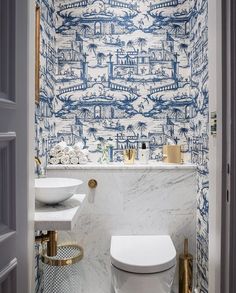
(51, 241)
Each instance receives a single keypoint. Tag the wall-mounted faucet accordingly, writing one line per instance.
(40, 171)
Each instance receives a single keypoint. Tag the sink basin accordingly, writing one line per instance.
(55, 190)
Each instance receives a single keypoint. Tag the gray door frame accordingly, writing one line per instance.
(228, 253)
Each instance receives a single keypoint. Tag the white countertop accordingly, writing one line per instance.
(117, 166)
(61, 217)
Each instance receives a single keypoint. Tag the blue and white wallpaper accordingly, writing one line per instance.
(123, 72)
(200, 156)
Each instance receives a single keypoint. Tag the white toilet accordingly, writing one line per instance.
(142, 264)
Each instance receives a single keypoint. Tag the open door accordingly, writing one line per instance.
(16, 147)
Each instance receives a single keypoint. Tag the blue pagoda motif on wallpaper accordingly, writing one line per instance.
(125, 72)
(120, 69)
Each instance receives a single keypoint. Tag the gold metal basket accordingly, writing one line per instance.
(61, 273)
(67, 255)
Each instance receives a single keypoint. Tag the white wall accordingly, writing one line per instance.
(215, 91)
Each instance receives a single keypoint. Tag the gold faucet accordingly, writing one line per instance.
(39, 169)
(51, 239)
(37, 161)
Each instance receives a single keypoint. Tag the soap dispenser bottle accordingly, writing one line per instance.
(143, 154)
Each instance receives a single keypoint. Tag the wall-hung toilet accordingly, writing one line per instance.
(142, 264)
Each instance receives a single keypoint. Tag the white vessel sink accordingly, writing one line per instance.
(55, 190)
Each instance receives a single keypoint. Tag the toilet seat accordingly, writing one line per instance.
(143, 254)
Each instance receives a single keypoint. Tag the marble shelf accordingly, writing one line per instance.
(122, 166)
(61, 217)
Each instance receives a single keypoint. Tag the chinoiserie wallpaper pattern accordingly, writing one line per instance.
(124, 72)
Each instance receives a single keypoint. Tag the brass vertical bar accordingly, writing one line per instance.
(52, 243)
(185, 270)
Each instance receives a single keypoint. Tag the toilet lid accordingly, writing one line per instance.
(143, 254)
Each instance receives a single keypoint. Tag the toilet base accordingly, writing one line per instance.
(125, 282)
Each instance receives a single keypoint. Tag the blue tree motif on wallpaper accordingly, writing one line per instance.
(117, 60)
(127, 72)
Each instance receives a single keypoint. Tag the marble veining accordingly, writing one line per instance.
(59, 217)
(130, 202)
(120, 166)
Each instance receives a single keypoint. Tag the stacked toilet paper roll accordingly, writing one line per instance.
(63, 154)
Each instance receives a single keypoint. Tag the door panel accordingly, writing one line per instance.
(8, 260)
(7, 51)
(7, 198)
(7, 179)
(8, 278)
(16, 147)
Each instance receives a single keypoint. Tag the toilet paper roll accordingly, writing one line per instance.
(72, 154)
(67, 150)
(74, 161)
(59, 155)
(65, 160)
(54, 161)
